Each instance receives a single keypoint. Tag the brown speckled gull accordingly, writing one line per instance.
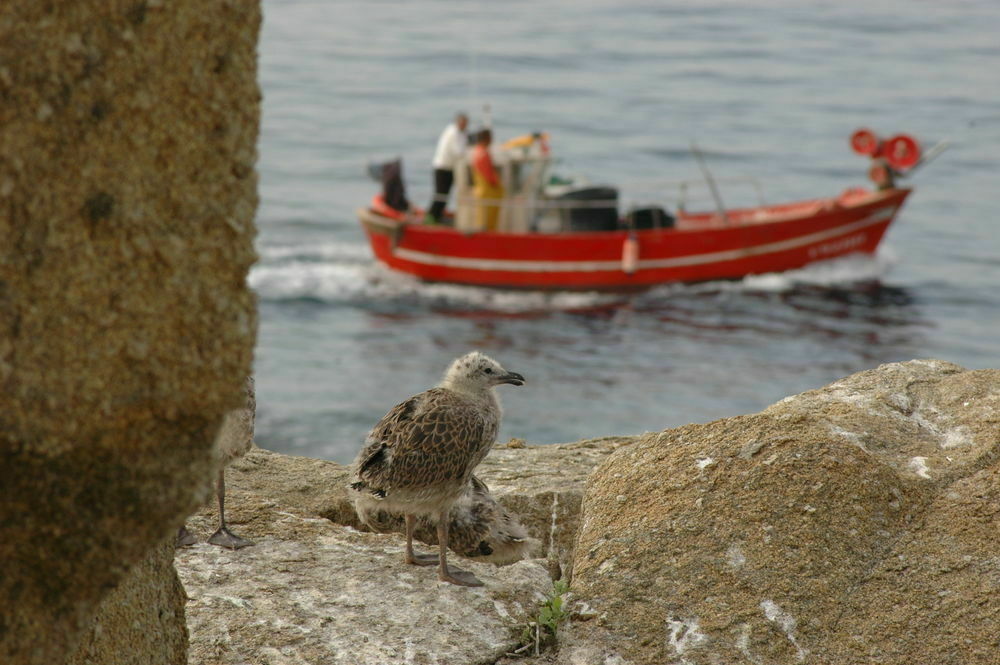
(418, 459)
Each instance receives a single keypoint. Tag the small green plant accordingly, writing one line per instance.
(542, 632)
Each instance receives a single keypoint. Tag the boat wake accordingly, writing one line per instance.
(339, 274)
(847, 270)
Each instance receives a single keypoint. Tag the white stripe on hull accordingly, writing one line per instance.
(514, 265)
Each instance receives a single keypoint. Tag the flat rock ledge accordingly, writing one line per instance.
(315, 589)
(311, 591)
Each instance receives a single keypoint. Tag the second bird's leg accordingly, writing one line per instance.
(224, 537)
(410, 556)
(446, 574)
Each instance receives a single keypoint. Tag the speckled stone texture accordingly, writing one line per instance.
(127, 194)
(856, 523)
(141, 621)
(310, 591)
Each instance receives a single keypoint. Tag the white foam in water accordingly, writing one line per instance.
(327, 251)
(296, 280)
(843, 270)
(392, 284)
(333, 274)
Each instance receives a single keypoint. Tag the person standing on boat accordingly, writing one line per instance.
(451, 147)
(486, 186)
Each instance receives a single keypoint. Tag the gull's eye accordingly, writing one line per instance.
(488, 370)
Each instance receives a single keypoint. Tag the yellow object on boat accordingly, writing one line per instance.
(525, 140)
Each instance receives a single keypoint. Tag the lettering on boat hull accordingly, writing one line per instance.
(840, 246)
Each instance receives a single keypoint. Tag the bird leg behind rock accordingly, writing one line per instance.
(224, 537)
(446, 574)
(410, 556)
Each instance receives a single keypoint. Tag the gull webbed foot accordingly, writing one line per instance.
(459, 577)
(226, 538)
(185, 538)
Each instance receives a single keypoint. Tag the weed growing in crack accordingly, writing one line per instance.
(542, 632)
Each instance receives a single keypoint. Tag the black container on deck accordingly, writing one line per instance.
(595, 216)
(653, 217)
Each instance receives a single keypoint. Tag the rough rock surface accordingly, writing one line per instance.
(311, 591)
(294, 508)
(852, 524)
(141, 620)
(127, 194)
(542, 485)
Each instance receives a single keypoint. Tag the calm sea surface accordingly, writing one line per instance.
(767, 89)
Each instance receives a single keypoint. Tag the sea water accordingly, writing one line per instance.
(766, 89)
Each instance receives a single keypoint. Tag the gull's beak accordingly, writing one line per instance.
(512, 378)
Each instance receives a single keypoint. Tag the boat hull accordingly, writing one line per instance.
(699, 248)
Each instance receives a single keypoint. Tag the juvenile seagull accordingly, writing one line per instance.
(418, 460)
(479, 528)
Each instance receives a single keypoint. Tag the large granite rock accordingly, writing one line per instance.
(852, 524)
(127, 193)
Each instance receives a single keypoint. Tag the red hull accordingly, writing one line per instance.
(699, 248)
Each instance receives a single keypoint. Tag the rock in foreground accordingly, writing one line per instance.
(852, 524)
(127, 197)
(311, 591)
(315, 590)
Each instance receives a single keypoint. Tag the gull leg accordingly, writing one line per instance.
(446, 574)
(410, 556)
(223, 536)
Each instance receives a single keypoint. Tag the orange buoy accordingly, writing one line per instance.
(630, 254)
(902, 152)
(865, 142)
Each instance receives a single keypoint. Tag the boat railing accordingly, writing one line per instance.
(656, 191)
(684, 187)
(533, 202)
(642, 194)
(541, 204)
(535, 213)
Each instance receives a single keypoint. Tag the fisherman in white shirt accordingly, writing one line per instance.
(451, 147)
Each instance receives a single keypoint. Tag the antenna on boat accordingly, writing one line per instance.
(710, 180)
(926, 158)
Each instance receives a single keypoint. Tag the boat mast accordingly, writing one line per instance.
(711, 182)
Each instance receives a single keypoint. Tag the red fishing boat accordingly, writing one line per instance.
(557, 236)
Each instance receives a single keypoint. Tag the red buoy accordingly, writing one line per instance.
(901, 151)
(865, 142)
